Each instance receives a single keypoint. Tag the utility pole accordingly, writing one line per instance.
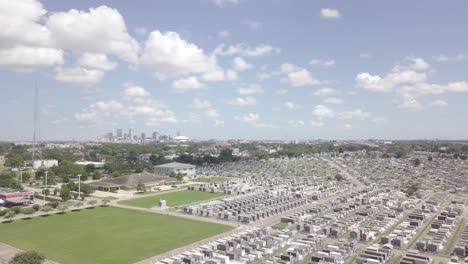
(21, 177)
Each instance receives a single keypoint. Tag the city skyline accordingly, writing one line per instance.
(248, 70)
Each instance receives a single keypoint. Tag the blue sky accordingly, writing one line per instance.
(235, 68)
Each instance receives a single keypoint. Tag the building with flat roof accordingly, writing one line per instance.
(187, 170)
(43, 163)
(97, 165)
(14, 197)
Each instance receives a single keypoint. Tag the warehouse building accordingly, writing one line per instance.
(187, 170)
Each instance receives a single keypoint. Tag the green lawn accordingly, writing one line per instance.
(211, 179)
(105, 235)
(173, 198)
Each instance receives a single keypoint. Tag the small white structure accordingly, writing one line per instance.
(162, 204)
(187, 170)
(37, 164)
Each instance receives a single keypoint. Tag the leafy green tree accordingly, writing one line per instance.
(179, 176)
(429, 158)
(96, 175)
(65, 193)
(90, 168)
(141, 187)
(172, 174)
(40, 174)
(14, 160)
(28, 257)
(26, 176)
(87, 189)
(416, 162)
(9, 180)
(225, 155)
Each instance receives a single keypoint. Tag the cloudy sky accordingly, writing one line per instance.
(250, 69)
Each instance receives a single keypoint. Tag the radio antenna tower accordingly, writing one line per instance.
(34, 124)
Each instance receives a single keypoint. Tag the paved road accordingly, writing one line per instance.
(173, 213)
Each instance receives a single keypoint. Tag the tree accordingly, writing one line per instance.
(429, 158)
(26, 176)
(90, 168)
(28, 257)
(416, 162)
(14, 160)
(339, 177)
(65, 193)
(87, 189)
(141, 187)
(40, 174)
(179, 176)
(173, 174)
(8, 180)
(96, 175)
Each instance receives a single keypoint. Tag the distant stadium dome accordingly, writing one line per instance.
(181, 139)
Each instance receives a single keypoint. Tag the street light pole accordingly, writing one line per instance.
(45, 188)
(79, 186)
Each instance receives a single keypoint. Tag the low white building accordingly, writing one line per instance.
(187, 170)
(37, 164)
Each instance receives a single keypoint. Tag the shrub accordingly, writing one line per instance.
(36, 207)
(28, 210)
(29, 257)
(16, 209)
(3, 212)
(46, 208)
(53, 204)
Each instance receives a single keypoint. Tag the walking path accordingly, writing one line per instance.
(7, 252)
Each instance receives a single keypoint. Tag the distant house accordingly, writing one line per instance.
(176, 167)
(130, 181)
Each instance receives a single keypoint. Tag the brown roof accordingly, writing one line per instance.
(131, 180)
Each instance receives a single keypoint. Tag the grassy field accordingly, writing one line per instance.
(210, 179)
(173, 199)
(105, 235)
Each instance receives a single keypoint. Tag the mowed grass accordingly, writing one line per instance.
(210, 179)
(173, 199)
(105, 235)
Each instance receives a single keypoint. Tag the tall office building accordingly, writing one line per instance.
(130, 133)
(178, 134)
(143, 136)
(155, 135)
(119, 133)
